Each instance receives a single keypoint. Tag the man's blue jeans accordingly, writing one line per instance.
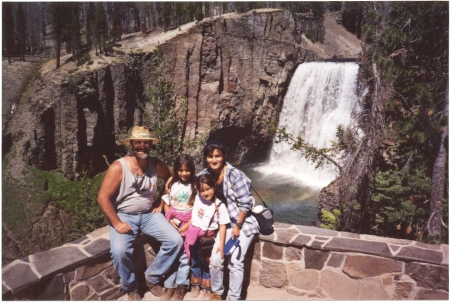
(153, 225)
(180, 274)
(235, 265)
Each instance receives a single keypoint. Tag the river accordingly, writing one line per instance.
(291, 201)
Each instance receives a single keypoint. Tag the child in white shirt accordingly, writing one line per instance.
(208, 215)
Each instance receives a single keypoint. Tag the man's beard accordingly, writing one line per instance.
(140, 156)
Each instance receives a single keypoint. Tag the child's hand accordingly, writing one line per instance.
(183, 228)
(220, 249)
(174, 223)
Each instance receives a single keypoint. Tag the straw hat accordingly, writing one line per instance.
(140, 133)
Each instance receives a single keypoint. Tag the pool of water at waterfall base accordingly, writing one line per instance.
(291, 201)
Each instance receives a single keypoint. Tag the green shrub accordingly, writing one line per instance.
(330, 219)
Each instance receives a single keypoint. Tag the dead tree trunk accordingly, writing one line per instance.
(57, 49)
(438, 180)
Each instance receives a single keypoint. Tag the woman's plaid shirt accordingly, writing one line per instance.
(236, 187)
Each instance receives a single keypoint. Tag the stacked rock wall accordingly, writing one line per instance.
(323, 264)
(309, 262)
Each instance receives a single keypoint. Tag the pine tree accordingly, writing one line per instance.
(100, 27)
(410, 52)
(8, 28)
(165, 112)
(90, 23)
(21, 31)
(116, 30)
(161, 112)
(57, 23)
(71, 31)
(167, 14)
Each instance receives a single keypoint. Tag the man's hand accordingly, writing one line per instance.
(158, 209)
(122, 227)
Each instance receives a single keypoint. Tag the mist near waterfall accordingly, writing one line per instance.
(321, 95)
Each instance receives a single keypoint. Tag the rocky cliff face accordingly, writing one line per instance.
(236, 70)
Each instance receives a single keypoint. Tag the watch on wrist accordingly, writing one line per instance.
(239, 225)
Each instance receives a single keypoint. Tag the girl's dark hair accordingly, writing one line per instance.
(188, 161)
(213, 145)
(206, 179)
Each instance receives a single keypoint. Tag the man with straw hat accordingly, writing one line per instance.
(127, 199)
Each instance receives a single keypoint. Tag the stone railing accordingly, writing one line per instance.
(306, 261)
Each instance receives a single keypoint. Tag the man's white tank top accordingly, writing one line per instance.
(127, 198)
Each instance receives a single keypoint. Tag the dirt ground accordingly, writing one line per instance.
(15, 76)
(254, 292)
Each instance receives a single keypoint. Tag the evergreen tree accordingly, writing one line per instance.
(116, 29)
(167, 9)
(352, 15)
(72, 29)
(161, 113)
(57, 22)
(8, 29)
(165, 112)
(412, 52)
(21, 31)
(100, 27)
(90, 24)
(408, 54)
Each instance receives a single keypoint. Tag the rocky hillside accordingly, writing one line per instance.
(235, 69)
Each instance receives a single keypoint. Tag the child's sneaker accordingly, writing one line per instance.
(134, 296)
(195, 291)
(167, 294)
(207, 294)
(180, 291)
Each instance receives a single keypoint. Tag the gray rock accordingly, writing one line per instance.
(431, 295)
(428, 276)
(315, 259)
(339, 286)
(273, 274)
(272, 251)
(358, 266)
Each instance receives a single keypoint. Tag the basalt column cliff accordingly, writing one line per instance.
(233, 70)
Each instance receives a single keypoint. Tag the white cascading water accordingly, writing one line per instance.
(321, 96)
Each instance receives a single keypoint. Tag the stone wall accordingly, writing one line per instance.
(309, 262)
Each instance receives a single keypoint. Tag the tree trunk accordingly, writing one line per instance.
(438, 180)
(57, 48)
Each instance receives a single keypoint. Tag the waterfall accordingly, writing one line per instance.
(319, 98)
